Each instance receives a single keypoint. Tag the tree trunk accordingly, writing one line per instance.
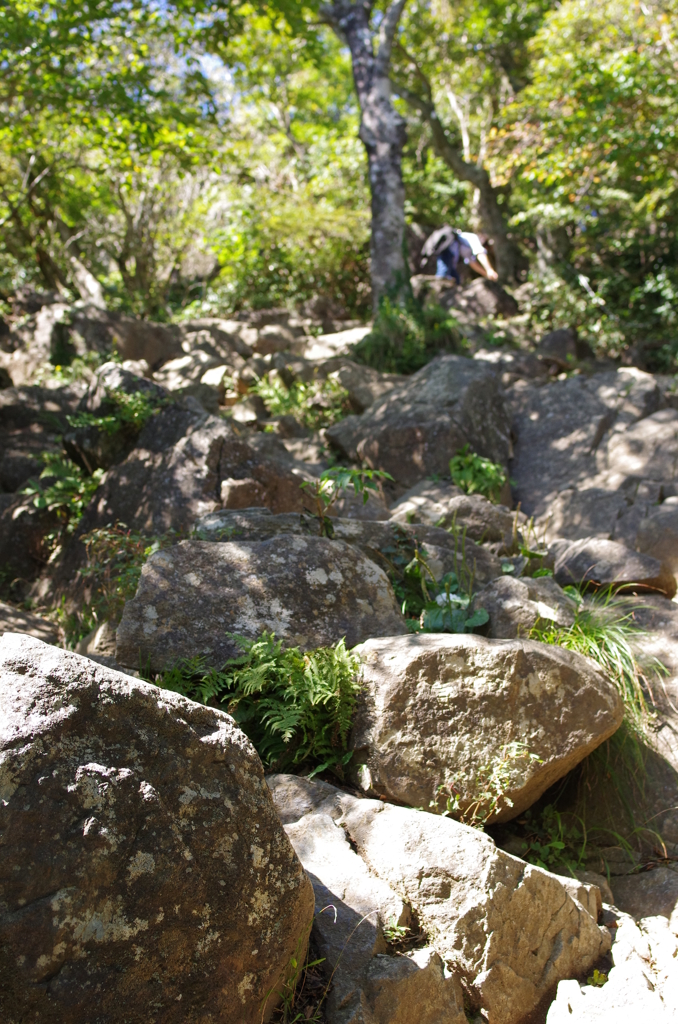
(382, 131)
(508, 257)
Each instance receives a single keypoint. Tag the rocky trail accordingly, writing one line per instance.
(466, 811)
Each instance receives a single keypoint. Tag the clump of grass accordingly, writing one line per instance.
(407, 335)
(477, 475)
(296, 707)
(604, 631)
(317, 404)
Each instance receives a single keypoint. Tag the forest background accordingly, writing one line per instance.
(189, 158)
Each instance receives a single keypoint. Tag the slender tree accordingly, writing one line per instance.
(382, 131)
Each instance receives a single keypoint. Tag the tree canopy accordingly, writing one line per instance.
(205, 156)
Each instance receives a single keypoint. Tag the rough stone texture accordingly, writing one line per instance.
(657, 535)
(508, 929)
(31, 419)
(143, 867)
(309, 591)
(559, 348)
(15, 620)
(364, 384)
(420, 424)
(101, 331)
(571, 434)
(651, 894)
(642, 984)
(516, 605)
(368, 983)
(436, 709)
(175, 472)
(607, 563)
(377, 539)
(446, 505)
(480, 298)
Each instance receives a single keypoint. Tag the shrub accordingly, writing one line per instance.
(295, 707)
(65, 490)
(318, 404)
(130, 412)
(407, 335)
(476, 475)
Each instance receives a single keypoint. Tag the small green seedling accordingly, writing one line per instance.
(331, 484)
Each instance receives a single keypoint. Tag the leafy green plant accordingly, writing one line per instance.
(476, 475)
(598, 978)
(62, 487)
(318, 404)
(407, 335)
(604, 630)
(331, 484)
(131, 412)
(447, 609)
(295, 707)
(493, 780)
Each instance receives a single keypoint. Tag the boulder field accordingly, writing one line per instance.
(152, 870)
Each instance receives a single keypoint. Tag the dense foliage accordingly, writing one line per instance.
(195, 157)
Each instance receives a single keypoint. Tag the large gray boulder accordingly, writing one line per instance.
(578, 433)
(178, 469)
(144, 869)
(416, 428)
(657, 534)
(309, 591)
(493, 723)
(508, 929)
(515, 606)
(605, 563)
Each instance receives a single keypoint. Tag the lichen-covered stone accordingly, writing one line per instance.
(309, 591)
(516, 605)
(144, 874)
(446, 711)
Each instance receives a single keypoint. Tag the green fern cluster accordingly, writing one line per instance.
(295, 707)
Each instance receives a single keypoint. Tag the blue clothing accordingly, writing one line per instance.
(446, 267)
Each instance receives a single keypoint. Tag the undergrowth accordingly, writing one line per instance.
(63, 488)
(477, 475)
(129, 412)
(295, 707)
(407, 335)
(115, 556)
(315, 405)
(604, 631)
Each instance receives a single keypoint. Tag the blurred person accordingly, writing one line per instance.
(449, 246)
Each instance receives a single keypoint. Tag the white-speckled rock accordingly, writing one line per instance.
(144, 874)
(309, 591)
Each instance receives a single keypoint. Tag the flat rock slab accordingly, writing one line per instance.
(309, 591)
(414, 431)
(509, 930)
(442, 711)
(606, 563)
(15, 620)
(143, 865)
